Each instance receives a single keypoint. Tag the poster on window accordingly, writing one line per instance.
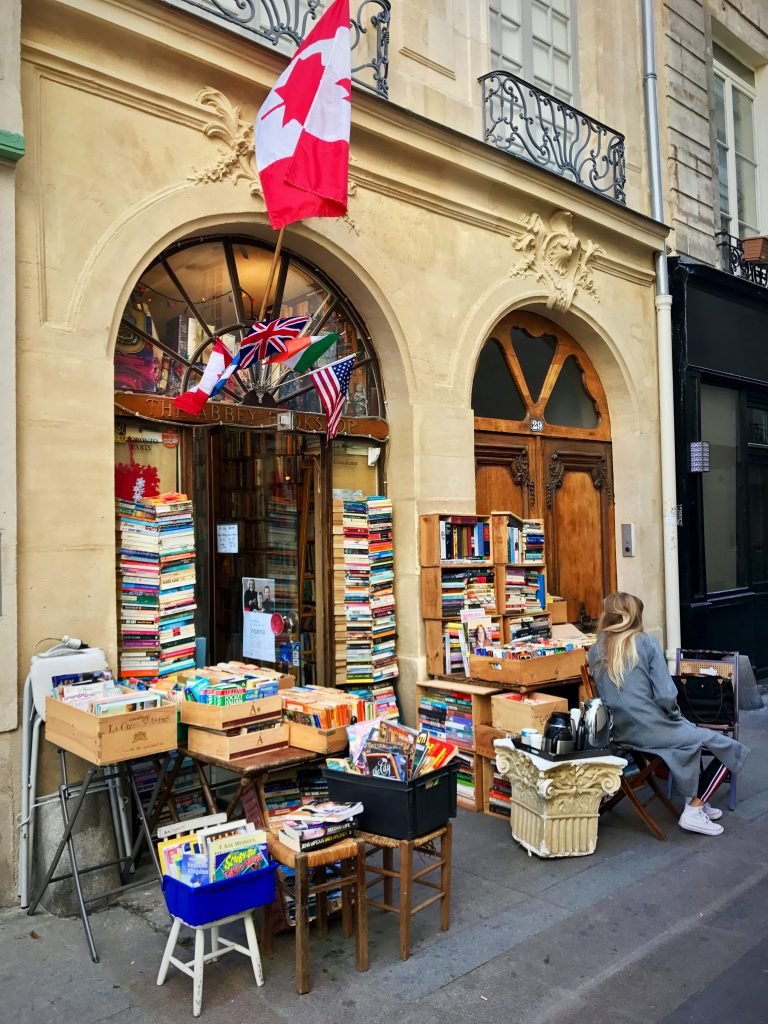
(258, 606)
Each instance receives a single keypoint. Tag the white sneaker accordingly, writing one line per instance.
(695, 819)
(713, 813)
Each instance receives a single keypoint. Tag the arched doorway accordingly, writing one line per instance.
(255, 462)
(543, 451)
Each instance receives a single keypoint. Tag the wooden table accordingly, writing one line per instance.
(252, 770)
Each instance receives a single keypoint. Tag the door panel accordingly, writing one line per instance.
(579, 524)
(504, 475)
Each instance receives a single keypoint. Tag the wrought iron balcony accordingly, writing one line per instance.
(733, 262)
(522, 119)
(283, 24)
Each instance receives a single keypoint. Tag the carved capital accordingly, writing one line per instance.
(520, 468)
(555, 480)
(557, 258)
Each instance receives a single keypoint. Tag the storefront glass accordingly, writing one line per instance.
(719, 426)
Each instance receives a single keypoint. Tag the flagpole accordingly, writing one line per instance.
(272, 270)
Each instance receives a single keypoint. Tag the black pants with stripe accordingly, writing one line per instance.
(711, 777)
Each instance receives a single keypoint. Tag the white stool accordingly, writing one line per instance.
(219, 946)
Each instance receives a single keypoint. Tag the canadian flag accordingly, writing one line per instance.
(302, 129)
(193, 400)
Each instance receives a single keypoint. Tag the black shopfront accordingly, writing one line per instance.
(720, 345)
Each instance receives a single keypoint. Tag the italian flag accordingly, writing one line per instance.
(301, 353)
(302, 129)
(192, 401)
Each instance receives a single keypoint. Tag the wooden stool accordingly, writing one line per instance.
(408, 878)
(194, 968)
(312, 879)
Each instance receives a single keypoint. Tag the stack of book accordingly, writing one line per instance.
(532, 542)
(339, 610)
(447, 715)
(157, 586)
(282, 557)
(467, 588)
(525, 590)
(380, 700)
(465, 778)
(500, 793)
(282, 793)
(464, 538)
(317, 824)
(357, 593)
(382, 585)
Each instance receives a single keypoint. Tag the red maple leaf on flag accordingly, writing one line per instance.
(299, 92)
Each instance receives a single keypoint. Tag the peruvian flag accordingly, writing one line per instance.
(302, 129)
(192, 401)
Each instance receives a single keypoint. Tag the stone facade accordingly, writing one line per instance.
(685, 33)
(119, 166)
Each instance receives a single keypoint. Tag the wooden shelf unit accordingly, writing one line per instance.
(434, 570)
(480, 698)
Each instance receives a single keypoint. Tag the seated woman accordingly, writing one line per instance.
(632, 678)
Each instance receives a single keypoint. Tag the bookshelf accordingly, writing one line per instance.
(496, 564)
(308, 578)
(451, 711)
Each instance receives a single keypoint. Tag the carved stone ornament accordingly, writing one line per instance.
(557, 258)
(237, 159)
(555, 805)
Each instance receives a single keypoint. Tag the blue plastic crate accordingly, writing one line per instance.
(202, 904)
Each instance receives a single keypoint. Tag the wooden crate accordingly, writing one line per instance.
(323, 741)
(484, 737)
(480, 696)
(512, 716)
(108, 739)
(230, 716)
(558, 612)
(234, 744)
(526, 675)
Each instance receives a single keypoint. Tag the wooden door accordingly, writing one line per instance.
(504, 475)
(579, 523)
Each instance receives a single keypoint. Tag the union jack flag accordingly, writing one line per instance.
(268, 338)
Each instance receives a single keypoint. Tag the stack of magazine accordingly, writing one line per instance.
(389, 750)
(214, 853)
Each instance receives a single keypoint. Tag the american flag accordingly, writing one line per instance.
(268, 338)
(332, 384)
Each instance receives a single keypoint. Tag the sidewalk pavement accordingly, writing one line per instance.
(628, 935)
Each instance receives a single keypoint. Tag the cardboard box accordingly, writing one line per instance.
(484, 737)
(531, 712)
(323, 741)
(234, 744)
(108, 739)
(230, 716)
(507, 672)
(558, 612)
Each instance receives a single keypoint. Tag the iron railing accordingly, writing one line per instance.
(732, 257)
(283, 24)
(522, 119)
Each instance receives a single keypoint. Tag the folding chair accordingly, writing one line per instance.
(726, 664)
(647, 766)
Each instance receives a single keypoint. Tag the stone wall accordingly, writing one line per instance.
(686, 30)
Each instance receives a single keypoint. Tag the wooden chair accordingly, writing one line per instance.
(648, 766)
(312, 879)
(408, 879)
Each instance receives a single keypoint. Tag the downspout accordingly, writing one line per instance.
(664, 345)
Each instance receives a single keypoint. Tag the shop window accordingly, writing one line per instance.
(570, 404)
(736, 145)
(758, 521)
(494, 392)
(719, 426)
(197, 291)
(535, 40)
(535, 356)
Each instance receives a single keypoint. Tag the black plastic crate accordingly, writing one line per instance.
(400, 810)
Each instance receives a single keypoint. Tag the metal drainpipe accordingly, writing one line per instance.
(664, 345)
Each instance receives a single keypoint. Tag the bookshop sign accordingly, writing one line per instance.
(153, 407)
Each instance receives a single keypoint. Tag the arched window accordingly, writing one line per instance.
(214, 287)
(532, 376)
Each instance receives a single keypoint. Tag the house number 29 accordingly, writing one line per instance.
(537, 426)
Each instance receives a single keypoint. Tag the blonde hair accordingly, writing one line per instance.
(620, 623)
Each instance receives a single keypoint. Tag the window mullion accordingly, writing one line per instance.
(730, 135)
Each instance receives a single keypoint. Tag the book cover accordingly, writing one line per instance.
(171, 851)
(231, 856)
